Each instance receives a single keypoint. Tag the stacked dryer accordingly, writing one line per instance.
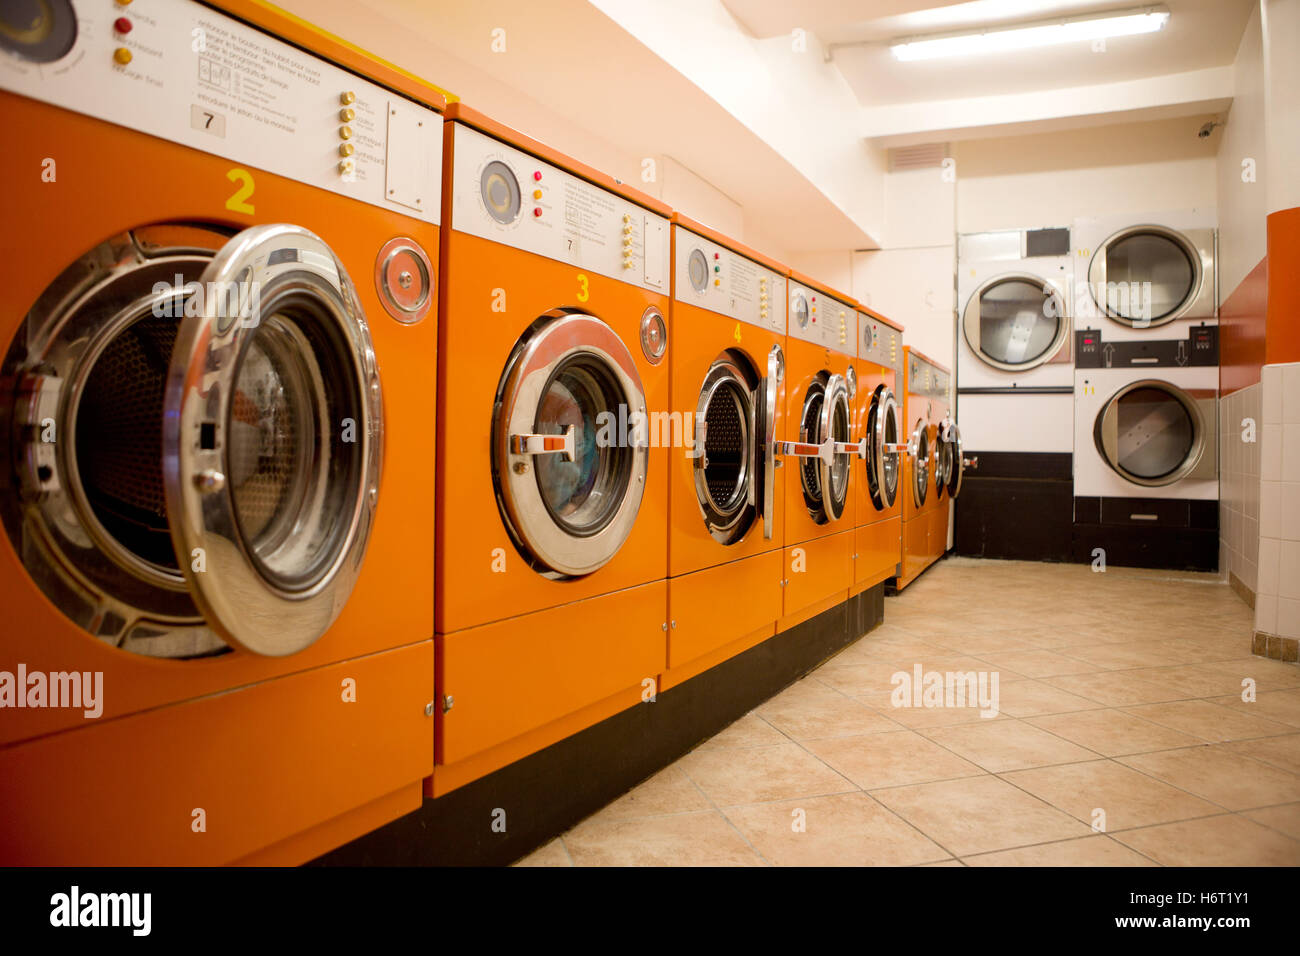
(1015, 386)
(1146, 391)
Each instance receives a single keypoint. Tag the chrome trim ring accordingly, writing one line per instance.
(919, 449)
(833, 475)
(654, 335)
(1106, 433)
(884, 408)
(396, 302)
(958, 460)
(554, 339)
(729, 521)
(1097, 278)
(970, 324)
(273, 597)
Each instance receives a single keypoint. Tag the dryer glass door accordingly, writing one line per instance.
(1151, 433)
(570, 443)
(1016, 322)
(271, 437)
(1147, 275)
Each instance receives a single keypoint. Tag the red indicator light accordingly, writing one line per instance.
(122, 25)
(538, 175)
(537, 212)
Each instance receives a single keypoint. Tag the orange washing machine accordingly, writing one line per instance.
(216, 437)
(877, 421)
(552, 542)
(928, 467)
(727, 512)
(818, 450)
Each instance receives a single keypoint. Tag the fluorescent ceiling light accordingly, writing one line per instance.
(1126, 24)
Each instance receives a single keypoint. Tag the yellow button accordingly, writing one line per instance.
(717, 282)
(348, 98)
(626, 217)
(347, 115)
(537, 194)
(345, 165)
(122, 55)
(346, 149)
(345, 132)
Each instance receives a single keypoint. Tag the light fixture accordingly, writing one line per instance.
(1050, 33)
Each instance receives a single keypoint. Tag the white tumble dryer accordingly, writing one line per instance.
(1014, 366)
(1146, 276)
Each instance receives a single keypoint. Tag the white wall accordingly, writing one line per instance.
(1243, 205)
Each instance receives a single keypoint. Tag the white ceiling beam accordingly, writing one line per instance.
(1197, 91)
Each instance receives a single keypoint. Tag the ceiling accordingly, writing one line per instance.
(1199, 34)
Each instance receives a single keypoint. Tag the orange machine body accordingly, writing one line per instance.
(727, 509)
(542, 631)
(235, 757)
(820, 517)
(878, 508)
(926, 502)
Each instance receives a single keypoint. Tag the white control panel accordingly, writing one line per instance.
(186, 73)
(879, 342)
(512, 197)
(711, 276)
(822, 319)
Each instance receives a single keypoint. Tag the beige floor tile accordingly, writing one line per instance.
(668, 791)
(918, 718)
(1113, 733)
(945, 863)
(750, 731)
(1039, 663)
(1031, 698)
(1084, 851)
(1268, 675)
(1122, 656)
(891, 759)
(1126, 797)
(1208, 721)
(862, 677)
(1281, 752)
(849, 829)
(759, 774)
(1284, 818)
(551, 854)
(684, 839)
(1114, 688)
(1000, 746)
(1188, 680)
(1228, 840)
(1282, 706)
(979, 815)
(835, 716)
(1233, 781)
(976, 643)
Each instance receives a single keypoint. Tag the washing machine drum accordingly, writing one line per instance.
(570, 444)
(198, 436)
(825, 417)
(1153, 433)
(1016, 322)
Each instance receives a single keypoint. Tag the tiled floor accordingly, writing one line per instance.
(1121, 739)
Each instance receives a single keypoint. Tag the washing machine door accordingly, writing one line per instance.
(951, 436)
(882, 448)
(1016, 321)
(919, 449)
(727, 451)
(943, 465)
(570, 444)
(1146, 275)
(765, 431)
(1154, 433)
(272, 437)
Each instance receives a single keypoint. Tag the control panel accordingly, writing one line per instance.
(186, 73)
(711, 276)
(1199, 348)
(926, 379)
(509, 196)
(881, 343)
(821, 319)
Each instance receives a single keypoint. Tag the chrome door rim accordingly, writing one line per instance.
(1105, 437)
(836, 400)
(727, 523)
(971, 322)
(958, 462)
(883, 407)
(554, 338)
(920, 464)
(253, 605)
(1097, 275)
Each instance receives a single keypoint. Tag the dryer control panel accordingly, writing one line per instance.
(1200, 347)
(509, 196)
(184, 72)
(821, 319)
(711, 276)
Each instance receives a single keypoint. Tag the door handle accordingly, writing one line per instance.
(544, 444)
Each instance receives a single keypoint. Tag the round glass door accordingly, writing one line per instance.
(921, 468)
(725, 449)
(1016, 322)
(1149, 275)
(1151, 433)
(570, 444)
(882, 465)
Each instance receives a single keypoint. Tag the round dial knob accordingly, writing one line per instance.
(38, 30)
(799, 309)
(499, 188)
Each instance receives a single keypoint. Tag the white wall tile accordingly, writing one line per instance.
(1266, 613)
(1288, 618)
(1270, 553)
(1288, 570)
(1290, 452)
(1249, 575)
(1288, 505)
(1271, 398)
(1270, 508)
(1291, 393)
(1270, 452)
